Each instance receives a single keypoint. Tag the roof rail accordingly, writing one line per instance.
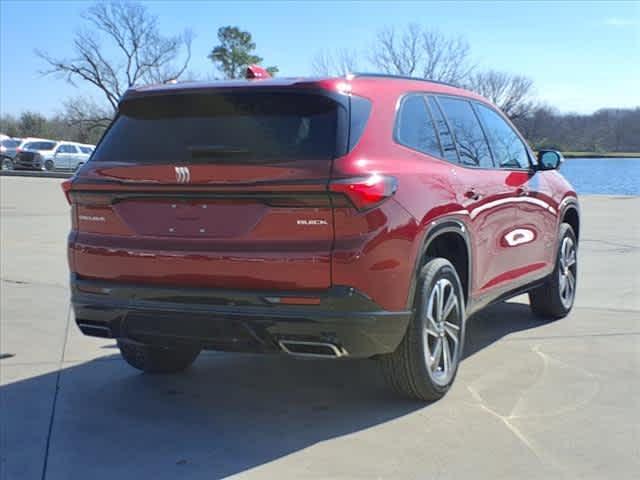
(401, 77)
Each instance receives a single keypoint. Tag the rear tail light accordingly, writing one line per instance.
(66, 188)
(366, 192)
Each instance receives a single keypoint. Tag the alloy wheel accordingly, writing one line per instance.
(442, 331)
(567, 272)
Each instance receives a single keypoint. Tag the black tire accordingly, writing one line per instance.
(407, 369)
(7, 163)
(550, 300)
(153, 359)
(49, 165)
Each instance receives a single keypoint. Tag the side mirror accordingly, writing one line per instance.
(549, 160)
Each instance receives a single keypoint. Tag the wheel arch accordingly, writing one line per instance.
(571, 215)
(447, 238)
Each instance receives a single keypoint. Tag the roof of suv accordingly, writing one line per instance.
(37, 139)
(342, 83)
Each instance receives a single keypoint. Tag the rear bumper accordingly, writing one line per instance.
(236, 320)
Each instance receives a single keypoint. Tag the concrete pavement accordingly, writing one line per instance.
(532, 399)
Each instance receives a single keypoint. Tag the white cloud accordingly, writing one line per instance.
(622, 22)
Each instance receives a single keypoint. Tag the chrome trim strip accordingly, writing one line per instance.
(337, 352)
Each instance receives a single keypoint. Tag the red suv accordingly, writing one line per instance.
(361, 216)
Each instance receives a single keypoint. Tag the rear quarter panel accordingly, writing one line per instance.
(381, 261)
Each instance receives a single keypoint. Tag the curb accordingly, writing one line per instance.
(27, 173)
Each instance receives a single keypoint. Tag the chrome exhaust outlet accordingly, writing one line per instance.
(301, 348)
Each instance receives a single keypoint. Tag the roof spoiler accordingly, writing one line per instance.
(256, 72)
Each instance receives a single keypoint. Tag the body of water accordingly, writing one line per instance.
(607, 176)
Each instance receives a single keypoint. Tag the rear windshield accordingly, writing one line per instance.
(39, 146)
(229, 128)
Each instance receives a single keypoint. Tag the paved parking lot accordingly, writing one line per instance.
(532, 399)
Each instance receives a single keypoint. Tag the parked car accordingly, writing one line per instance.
(42, 154)
(360, 216)
(8, 149)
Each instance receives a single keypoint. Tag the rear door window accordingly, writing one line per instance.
(230, 127)
(472, 143)
(66, 148)
(507, 147)
(414, 126)
(446, 139)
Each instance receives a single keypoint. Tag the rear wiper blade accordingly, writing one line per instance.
(227, 153)
(198, 150)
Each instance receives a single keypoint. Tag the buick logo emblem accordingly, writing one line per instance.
(183, 175)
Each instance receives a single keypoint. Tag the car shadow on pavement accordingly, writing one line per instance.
(497, 321)
(225, 415)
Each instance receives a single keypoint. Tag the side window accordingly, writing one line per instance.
(360, 110)
(66, 149)
(507, 148)
(472, 144)
(414, 127)
(446, 139)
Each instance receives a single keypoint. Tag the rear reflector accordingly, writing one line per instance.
(89, 199)
(294, 300)
(96, 290)
(66, 188)
(366, 192)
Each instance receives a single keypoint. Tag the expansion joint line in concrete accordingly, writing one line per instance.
(55, 396)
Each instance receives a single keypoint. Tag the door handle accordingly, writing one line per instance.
(473, 194)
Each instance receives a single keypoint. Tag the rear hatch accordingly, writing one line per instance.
(222, 189)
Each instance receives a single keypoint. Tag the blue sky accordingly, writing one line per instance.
(581, 55)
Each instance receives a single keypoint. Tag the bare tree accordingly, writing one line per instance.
(398, 53)
(141, 53)
(419, 51)
(446, 59)
(513, 94)
(340, 62)
(86, 114)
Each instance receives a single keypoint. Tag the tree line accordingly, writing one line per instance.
(607, 130)
(59, 127)
(140, 54)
